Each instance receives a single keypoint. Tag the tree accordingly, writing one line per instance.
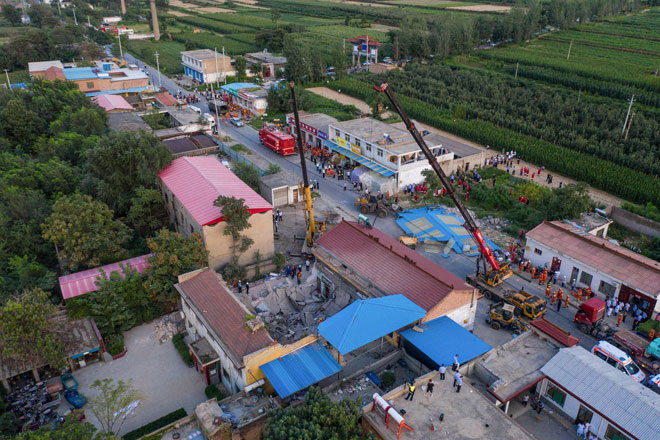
(112, 403)
(29, 332)
(248, 173)
(24, 272)
(318, 418)
(42, 15)
(240, 64)
(84, 121)
(147, 213)
(84, 232)
(72, 428)
(299, 59)
(237, 218)
(274, 15)
(121, 163)
(271, 39)
(173, 255)
(12, 14)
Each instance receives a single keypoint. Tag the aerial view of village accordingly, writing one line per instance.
(329, 219)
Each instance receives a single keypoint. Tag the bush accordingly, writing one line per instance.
(213, 391)
(183, 349)
(114, 343)
(646, 326)
(279, 261)
(156, 424)
(388, 379)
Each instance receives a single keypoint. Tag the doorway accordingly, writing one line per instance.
(556, 264)
(584, 415)
(574, 274)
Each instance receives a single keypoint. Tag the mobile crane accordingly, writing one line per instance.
(311, 226)
(497, 273)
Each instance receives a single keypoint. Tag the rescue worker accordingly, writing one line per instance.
(411, 391)
(579, 295)
(554, 297)
(568, 297)
(547, 291)
(560, 294)
(533, 271)
(588, 292)
(652, 335)
(619, 319)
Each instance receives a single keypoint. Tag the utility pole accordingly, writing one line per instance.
(569, 50)
(217, 117)
(217, 81)
(121, 52)
(75, 20)
(8, 82)
(629, 124)
(625, 123)
(224, 65)
(516, 77)
(89, 23)
(158, 68)
(59, 11)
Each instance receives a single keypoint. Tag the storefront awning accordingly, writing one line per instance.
(300, 369)
(360, 159)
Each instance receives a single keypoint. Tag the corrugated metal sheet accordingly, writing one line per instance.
(618, 397)
(198, 181)
(622, 264)
(112, 102)
(389, 265)
(442, 338)
(556, 333)
(224, 314)
(366, 320)
(300, 369)
(79, 283)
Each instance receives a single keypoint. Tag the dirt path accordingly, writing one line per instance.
(597, 195)
(344, 99)
(482, 8)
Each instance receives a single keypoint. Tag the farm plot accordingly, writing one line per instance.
(340, 31)
(208, 40)
(169, 53)
(609, 41)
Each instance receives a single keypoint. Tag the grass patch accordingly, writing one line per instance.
(212, 391)
(169, 54)
(239, 148)
(183, 349)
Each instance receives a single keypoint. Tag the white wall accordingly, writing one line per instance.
(567, 265)
(196, 329)
(464, 313)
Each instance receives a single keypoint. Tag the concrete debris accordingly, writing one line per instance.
(168, 326)
(255, 324)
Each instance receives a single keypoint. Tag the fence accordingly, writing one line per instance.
(257, 162)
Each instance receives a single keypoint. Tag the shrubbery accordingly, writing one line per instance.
(183, 349)
(213, 391)
(156, 424)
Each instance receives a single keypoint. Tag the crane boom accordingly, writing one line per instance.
(311, 229)
(469, 224)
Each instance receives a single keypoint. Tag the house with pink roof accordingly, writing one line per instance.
(113, 103)
(190, 185)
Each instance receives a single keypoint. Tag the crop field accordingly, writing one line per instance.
(208, 40)
(613, 41)
(340, 31)
(169, 53)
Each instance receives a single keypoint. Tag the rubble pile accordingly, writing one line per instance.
(167, 326)
(292, 311)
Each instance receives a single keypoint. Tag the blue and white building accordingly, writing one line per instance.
(205, 65)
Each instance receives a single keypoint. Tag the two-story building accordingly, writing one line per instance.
(191, 185)
(314, 127)
(206, 65)
(392, 155)
(248, 96)
(268, 64)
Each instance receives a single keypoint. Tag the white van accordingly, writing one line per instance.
(195, 109)
(618, 359)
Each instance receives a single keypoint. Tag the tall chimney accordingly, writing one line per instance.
(154, 20)
(123, 7)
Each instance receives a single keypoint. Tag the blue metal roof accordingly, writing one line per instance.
(75, 73)
(367, 320)
(118, 91)
(360, 159)
(237, 86)
(300, 369)
(443, 338)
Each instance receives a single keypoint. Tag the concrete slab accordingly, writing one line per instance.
(157, 372)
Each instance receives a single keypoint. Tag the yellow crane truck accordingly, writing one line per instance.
(526, 304)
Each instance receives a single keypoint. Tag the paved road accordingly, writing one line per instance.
(332, 191)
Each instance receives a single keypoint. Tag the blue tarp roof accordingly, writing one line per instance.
(434, 223)
(367, 320)
(80, 73)
(443, 338)
(238, 86)
(300, 369)
(118, 91)
(360, 159)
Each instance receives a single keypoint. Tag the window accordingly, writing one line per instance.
(614, 434)
(357, 142)
(337, 133)
(90, 85)
(606, 288)
(601, 355)
(348, 137)
(556, 395)
(586, 278)
(166, 199)
(368, 147)
(192, 230)
(379, 152)
(538, 251)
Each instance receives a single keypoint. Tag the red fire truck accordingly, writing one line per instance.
(278, 141)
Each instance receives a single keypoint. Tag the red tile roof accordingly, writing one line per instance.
(198, 181)
(363, 39)
(166, 99)
(639, 272)
(389, 265)
(53, 73)
(80, 283)
(112, 102)
(224, 314)
(556, 333)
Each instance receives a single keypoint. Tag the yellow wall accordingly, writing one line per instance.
(254, 361)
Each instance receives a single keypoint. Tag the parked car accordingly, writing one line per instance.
(618, 359)
(195, 109)
(237, 122)
(76, 399)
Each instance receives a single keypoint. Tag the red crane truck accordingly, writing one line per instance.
(280, 142)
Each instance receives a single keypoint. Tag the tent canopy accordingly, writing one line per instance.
(299, 369)
(366, 320)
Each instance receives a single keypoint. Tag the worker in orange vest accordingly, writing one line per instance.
(548, 289)
(522, 266)
(568, 297)
(652, 335)
(554, 297)
(529, 266)
(579, 295)
(619, 319)
(588, 292)
(533, 271)
(560, 294)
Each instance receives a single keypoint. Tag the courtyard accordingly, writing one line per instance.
(156, 371)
